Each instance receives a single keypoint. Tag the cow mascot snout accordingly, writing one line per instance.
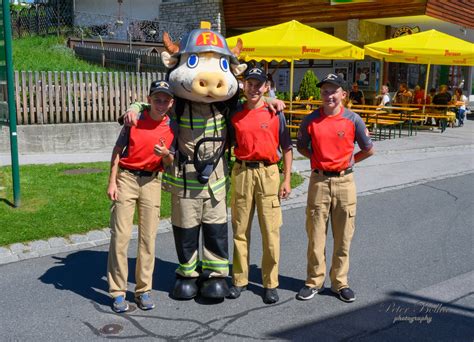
(202, 71)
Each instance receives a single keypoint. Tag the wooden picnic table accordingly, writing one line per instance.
(431, 105)
(305, 102)
(368, 111)
(308, 104)
(379, 120)
(407, 109)
(298, 111)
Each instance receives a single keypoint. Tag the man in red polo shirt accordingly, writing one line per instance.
(135, 179)
(327, 137)
(261, 140)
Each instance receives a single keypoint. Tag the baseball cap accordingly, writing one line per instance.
(160, 87)
(257, 74)
(333, 79)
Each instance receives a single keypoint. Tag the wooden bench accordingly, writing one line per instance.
(444, 118)
(381, 122)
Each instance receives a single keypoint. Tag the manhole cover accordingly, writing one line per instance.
(82, 171)
(111, 329)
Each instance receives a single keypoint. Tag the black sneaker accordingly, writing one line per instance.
(270, 296)
(346, 295)
(234, 291)
(307, 292)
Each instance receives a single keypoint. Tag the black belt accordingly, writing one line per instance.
(334, 173)
(140, 173)
(253, 164)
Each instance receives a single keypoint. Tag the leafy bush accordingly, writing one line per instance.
(308, 86)
(285, 95)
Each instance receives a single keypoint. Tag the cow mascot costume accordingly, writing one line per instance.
(202, 72)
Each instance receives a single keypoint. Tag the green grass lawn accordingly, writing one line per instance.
(48, 53)
(59, 200)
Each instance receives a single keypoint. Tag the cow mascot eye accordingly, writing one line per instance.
(193, 61)
(224, 64)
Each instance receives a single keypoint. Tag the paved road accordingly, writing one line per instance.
(411, 259)
(411, 263)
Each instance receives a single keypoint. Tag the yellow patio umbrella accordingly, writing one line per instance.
(292, 41)
(428, 47)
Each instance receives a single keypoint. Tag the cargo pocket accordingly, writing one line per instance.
(277, 216)
(351, 213)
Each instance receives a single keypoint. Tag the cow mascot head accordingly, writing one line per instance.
(202, 68)
(202, 71)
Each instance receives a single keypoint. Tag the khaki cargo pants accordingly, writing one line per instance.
(144, 192)
(333, 197)
(256, 187)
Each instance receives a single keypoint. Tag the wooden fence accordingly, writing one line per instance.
(55, 97)
(121, 59)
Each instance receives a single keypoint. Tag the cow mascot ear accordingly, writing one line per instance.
(168, 56)
(238, 69)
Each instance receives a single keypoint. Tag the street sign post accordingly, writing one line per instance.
(7, 95)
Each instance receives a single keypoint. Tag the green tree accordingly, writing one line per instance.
(308, 86)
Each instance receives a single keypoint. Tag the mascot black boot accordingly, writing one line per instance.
(186, 242)
(185, 288)
(213, 288)
(215, 261)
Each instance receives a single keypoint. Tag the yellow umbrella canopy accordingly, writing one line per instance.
(293, 40)
(428, 47)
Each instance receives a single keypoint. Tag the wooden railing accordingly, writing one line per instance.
(121, 59)
(54, 97)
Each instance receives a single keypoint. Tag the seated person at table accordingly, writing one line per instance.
(429, 97)
(384, 98)
(443, 97)
(419, 96)
(460, 101)
(403, 96)
(356, 96)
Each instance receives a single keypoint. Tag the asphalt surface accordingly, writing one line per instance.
(411, 268)
(411, 259)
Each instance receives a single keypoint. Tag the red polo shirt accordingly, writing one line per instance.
(259, 134)
(139, 142)
(331, 138)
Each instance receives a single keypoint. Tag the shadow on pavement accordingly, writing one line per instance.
(285, 283)
(400, 317)
(85, 273)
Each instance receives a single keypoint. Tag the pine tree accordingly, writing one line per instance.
(308, 86)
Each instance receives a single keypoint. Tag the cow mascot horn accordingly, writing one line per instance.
(202, 71)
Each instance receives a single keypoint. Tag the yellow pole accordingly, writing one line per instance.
(426, 83)
(292, 69)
